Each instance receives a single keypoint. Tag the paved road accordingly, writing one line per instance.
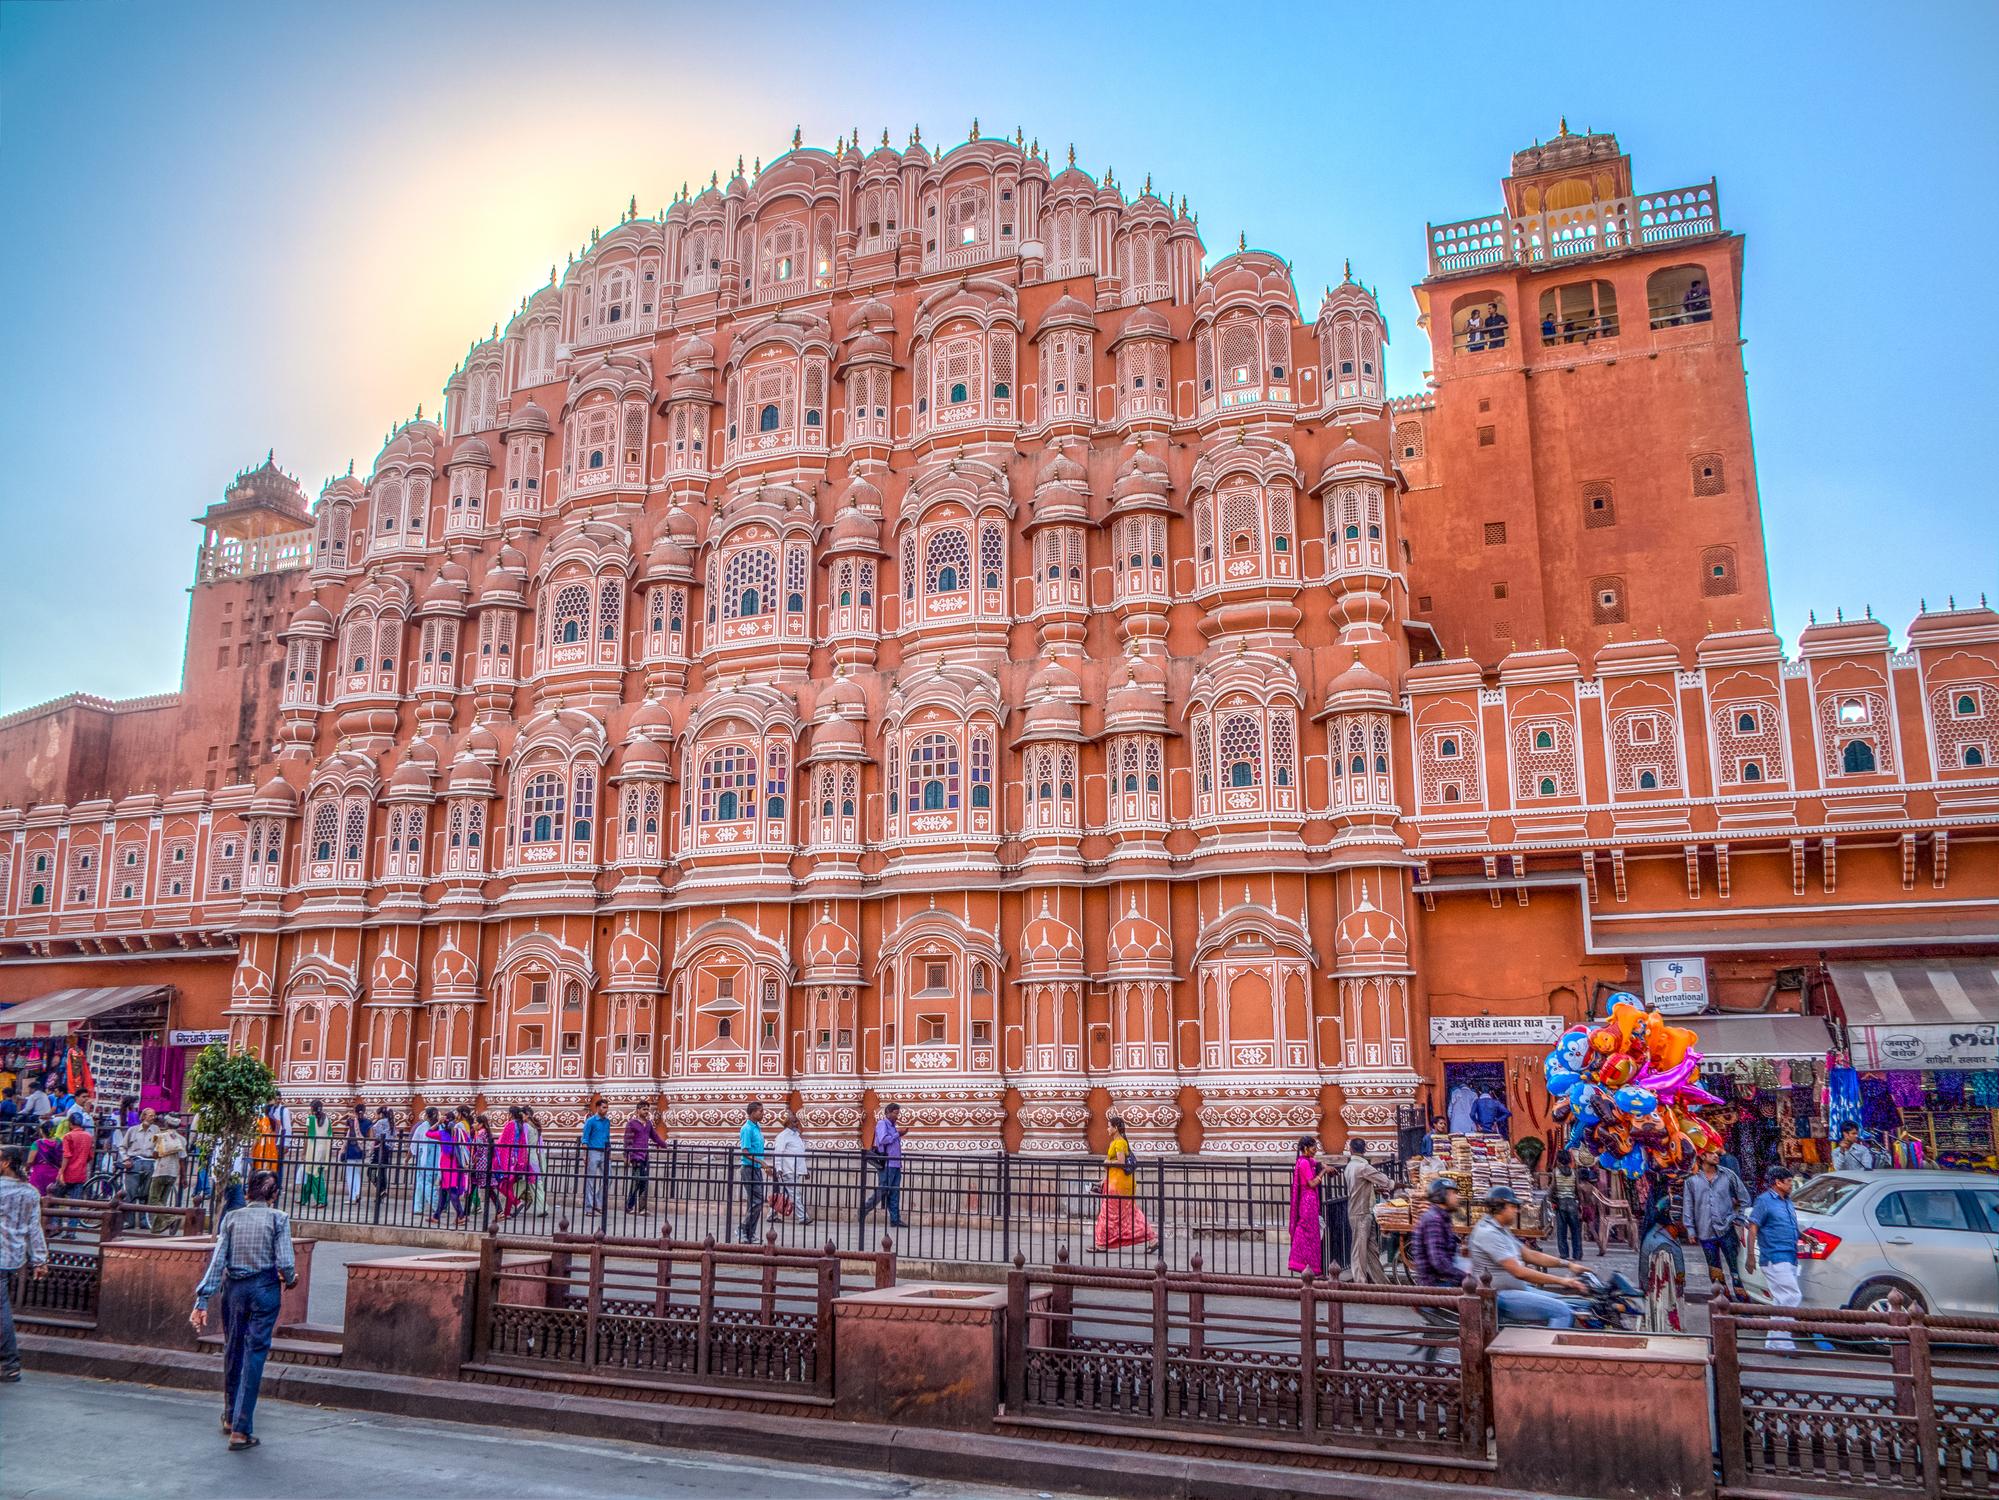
(154, 1444)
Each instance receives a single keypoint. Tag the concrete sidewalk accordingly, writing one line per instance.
(161, 1444)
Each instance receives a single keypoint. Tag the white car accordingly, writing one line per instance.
(1933, 1236)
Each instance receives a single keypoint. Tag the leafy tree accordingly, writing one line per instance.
(228, 1091)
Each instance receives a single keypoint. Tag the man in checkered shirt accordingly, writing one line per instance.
(253, 1256)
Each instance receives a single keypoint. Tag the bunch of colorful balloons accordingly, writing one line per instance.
(1627, 1089)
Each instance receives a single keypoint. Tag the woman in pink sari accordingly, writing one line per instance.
(510, 1163)
(452, 1174)
(1307, 1250)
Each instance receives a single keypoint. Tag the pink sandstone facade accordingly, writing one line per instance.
(917, 627)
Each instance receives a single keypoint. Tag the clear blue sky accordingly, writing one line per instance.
(238, 227)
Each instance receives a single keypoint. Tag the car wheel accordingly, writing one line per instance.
(1873, 1296)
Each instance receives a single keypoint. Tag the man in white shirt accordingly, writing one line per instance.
(788, 1161)
(135, 1151)
(1463, 1097)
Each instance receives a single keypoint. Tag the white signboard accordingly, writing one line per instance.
(1676, 986)
(1973, 1046)
(1495, 1031)
(196, 1038)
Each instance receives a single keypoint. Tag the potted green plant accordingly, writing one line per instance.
(228, 1091)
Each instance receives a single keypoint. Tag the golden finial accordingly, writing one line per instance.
(884, 135)
(1019, 136)
(632, 208)
(797, 136)
(757, 167)
(715, 178)
(1242, 240)
(1347, 279)
(916, 135)
(1148, 185)
(975, 127)
(1565, 125)
(1072, 153)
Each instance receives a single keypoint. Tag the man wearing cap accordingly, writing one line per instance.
(1775, 1225)
(1496, 1251)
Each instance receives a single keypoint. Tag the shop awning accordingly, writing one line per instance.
(1937, 1013)
(56, 1014)
(1765, 1036)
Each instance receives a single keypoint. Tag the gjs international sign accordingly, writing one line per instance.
(1676, 986)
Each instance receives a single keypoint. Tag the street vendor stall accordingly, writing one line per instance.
(1769, 1071)
(90, 1039)
(1925, 1042)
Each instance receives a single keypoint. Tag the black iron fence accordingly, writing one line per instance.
(966, 1207)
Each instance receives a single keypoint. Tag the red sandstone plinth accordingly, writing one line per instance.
(1616, 1416)
(412, 1314)
(147, 1289)
(924, 1354)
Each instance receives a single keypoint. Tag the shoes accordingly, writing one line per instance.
(11, 1376)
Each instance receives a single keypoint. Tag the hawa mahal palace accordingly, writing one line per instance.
(919, 627)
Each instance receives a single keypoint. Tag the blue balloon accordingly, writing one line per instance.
(1636, 1101)
(1560, 1079)
(1626, 996)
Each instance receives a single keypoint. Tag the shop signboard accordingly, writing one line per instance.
(1676, 986)
(1971, 1047)
(196, 1038)
(1495, 1031)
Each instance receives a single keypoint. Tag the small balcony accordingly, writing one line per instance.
(250, 557)
(1637, 222)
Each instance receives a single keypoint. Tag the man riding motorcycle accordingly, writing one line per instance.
(1519, 1275)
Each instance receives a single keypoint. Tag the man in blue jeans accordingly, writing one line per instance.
(750, 1147)
(1496, 1251)
(596, 1142)
(886, 1157)
(253, 1261)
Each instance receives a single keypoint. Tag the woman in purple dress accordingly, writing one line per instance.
(1307, 1250)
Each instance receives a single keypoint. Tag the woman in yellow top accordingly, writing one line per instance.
(1119, 1220)
(264, 1145)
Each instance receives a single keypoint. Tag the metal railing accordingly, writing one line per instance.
(1584, 229)
(668, 1315)
(1248, 1360)
(65, 1296)
(1836, 1402)
(942, 1206)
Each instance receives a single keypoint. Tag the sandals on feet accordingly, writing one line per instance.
(239, 1441)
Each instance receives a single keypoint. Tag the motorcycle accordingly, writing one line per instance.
(1614, 1304)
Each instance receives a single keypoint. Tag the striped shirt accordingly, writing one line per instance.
(253, 1238)
(21, 1239)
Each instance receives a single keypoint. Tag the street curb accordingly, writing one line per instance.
(917, 1453)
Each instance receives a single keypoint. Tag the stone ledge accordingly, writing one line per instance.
(910, 1452)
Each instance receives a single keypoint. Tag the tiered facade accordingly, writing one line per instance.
(908, 626)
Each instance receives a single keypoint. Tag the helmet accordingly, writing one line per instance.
(1440, 1189)
(1500, 1196)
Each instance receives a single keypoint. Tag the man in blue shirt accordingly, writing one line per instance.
(750, 1145)
(596, 1142)
(1490, 1114)
(1776, 1226)
(886, 1159)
